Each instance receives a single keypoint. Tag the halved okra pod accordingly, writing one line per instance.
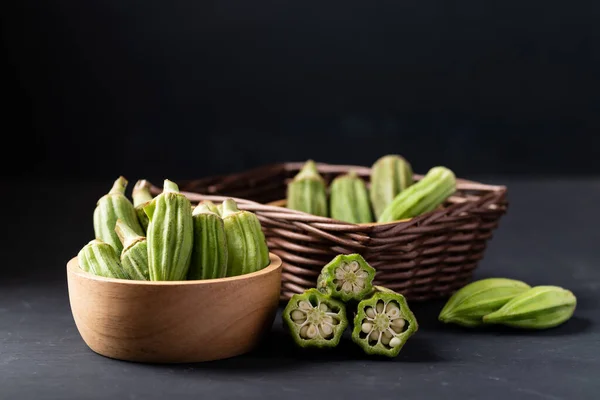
(209, 254)
(111, 207)
(346, 277)
(246, 244)
(170, 234)
(390, 175)
(100, 258)
(141, 197)
(134, 257)
(383, 323)
(315, 320)
(307, 191)
(349, 199)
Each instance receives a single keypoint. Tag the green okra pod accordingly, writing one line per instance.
(390, 175)
(314, 319)
(349, 199)
(421, 197)
(212, 207)
(134, 257)
(141, 197)
(540, 307)
(467, 306)
(346, 277)
(110, 207)
(170, 234)
(209, 254)
(246, 244)
(383, 323)
(100, 258)
(307, 191)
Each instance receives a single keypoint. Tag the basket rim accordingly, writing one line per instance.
(300, 216)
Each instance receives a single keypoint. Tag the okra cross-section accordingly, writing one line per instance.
(346, 277)
(314, 319)
(383, 323)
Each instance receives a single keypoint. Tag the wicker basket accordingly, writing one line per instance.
(426, 257)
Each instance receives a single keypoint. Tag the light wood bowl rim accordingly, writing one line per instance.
(274, 264)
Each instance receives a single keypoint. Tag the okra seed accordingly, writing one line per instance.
(356, 288)
(385, 340)
(398, 324)
(374, 336)
(298, 315)
(304, 305)
(362, 274)
(311, 332)
(370, 312)
(347, 287)
(392, 311)
(323, 307)
(339, 273)
(354, 265)
(395, 342)
(366, 327)
(346, 267)
(326, 329)
(387, 334)
(379, 307)
(303, 331)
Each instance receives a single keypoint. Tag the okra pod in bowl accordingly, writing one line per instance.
(174, 321)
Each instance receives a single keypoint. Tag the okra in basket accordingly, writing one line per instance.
(423, 234)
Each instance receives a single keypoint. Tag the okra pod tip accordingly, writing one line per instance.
(119, 186)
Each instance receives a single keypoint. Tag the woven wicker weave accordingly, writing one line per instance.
(426, 257)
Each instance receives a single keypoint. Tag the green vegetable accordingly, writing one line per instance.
(170, 234)
(346, 277)
(141, 197)
(315, 320)
(212, 207)
(246, 244)
(134, 257)
(100, 258)
(383, 323)
(421, 197)
(111, 207)
(390, 175)
(307, 191)
(541, 307)
(349, 199)
(209, 254)
(468, 305)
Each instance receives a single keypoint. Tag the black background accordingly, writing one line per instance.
(188, 89)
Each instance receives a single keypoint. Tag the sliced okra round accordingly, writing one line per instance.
(383, 323)
(315, 320)
(347, 277)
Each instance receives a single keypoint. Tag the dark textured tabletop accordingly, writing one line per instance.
(549, 236)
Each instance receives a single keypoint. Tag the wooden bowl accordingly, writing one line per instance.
(177, 321)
